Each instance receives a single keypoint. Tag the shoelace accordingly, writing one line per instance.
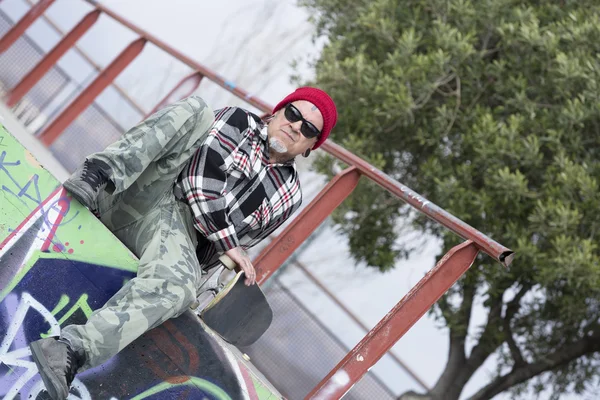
(93, 175)
(72, 366)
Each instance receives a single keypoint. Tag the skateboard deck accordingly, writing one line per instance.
(240, 314)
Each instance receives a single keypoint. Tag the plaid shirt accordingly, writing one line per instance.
(237, 197)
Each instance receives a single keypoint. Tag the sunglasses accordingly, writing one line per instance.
(292, 114)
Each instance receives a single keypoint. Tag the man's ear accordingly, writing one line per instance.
(268, 118)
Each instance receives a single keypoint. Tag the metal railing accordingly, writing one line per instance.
(408, 310)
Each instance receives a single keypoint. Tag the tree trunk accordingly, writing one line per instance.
(451, 383)
(456, 373)
(454, 377)
(414, 396)
(563, 356)
(459, 369)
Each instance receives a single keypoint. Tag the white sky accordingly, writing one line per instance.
(253, 43)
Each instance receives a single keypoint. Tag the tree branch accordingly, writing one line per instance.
(445, 309)
(512, 308)
(514, 305)
(464, 312)
(487, 344)
(454, 376)
(458, 104)
(486, 39)
(424, 98)
(564, 355)
(462, 316)
(515, 352)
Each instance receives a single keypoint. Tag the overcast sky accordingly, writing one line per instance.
(253, 43)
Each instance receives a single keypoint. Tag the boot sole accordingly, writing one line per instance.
(78, 194)
(51, 381)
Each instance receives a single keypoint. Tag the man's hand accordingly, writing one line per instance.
(239, 256)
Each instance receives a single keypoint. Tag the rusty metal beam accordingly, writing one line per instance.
(486, 244)
(20, 27)
(105, 78)
(301, 227)
(194, 78)
(87, 58)
(16, 93)
(397, 322)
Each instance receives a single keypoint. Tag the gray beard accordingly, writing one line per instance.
(277, 146)
(278, 151)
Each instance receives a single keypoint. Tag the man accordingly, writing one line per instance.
(179, 189)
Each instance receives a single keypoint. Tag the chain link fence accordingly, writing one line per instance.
(91, 131)
(298, 350)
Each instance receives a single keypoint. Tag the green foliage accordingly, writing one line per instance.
(490, 109)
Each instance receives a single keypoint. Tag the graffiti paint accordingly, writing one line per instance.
(57, 264)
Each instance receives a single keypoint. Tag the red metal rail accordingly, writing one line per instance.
(77, 106)
(91, 62)
(196, 66)
(356, 320)
(16, 93)
(381, 338)
(398, 321)
(20, 27)
(183, 89)
(305, 223)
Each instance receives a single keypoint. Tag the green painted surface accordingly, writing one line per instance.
(41, 227)
(26, 184)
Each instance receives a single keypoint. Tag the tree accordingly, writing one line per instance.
(490, 109)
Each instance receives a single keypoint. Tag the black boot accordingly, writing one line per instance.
(88, 181)
(57, 364)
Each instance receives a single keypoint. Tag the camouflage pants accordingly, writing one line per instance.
(144, 214)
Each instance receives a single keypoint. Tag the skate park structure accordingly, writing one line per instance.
(42, 231)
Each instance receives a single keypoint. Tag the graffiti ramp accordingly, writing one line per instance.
(57, 264)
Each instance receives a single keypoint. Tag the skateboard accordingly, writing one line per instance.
(240, 314)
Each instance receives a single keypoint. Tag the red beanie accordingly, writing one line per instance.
(323, 102)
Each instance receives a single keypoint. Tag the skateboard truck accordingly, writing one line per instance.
(212, 283)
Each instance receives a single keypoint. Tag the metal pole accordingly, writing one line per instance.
(53, 131)
(51, 58)
(328, 199)
(20, 27)
(396, 323)
(486, 244)
(195, 78)
(354, 318)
